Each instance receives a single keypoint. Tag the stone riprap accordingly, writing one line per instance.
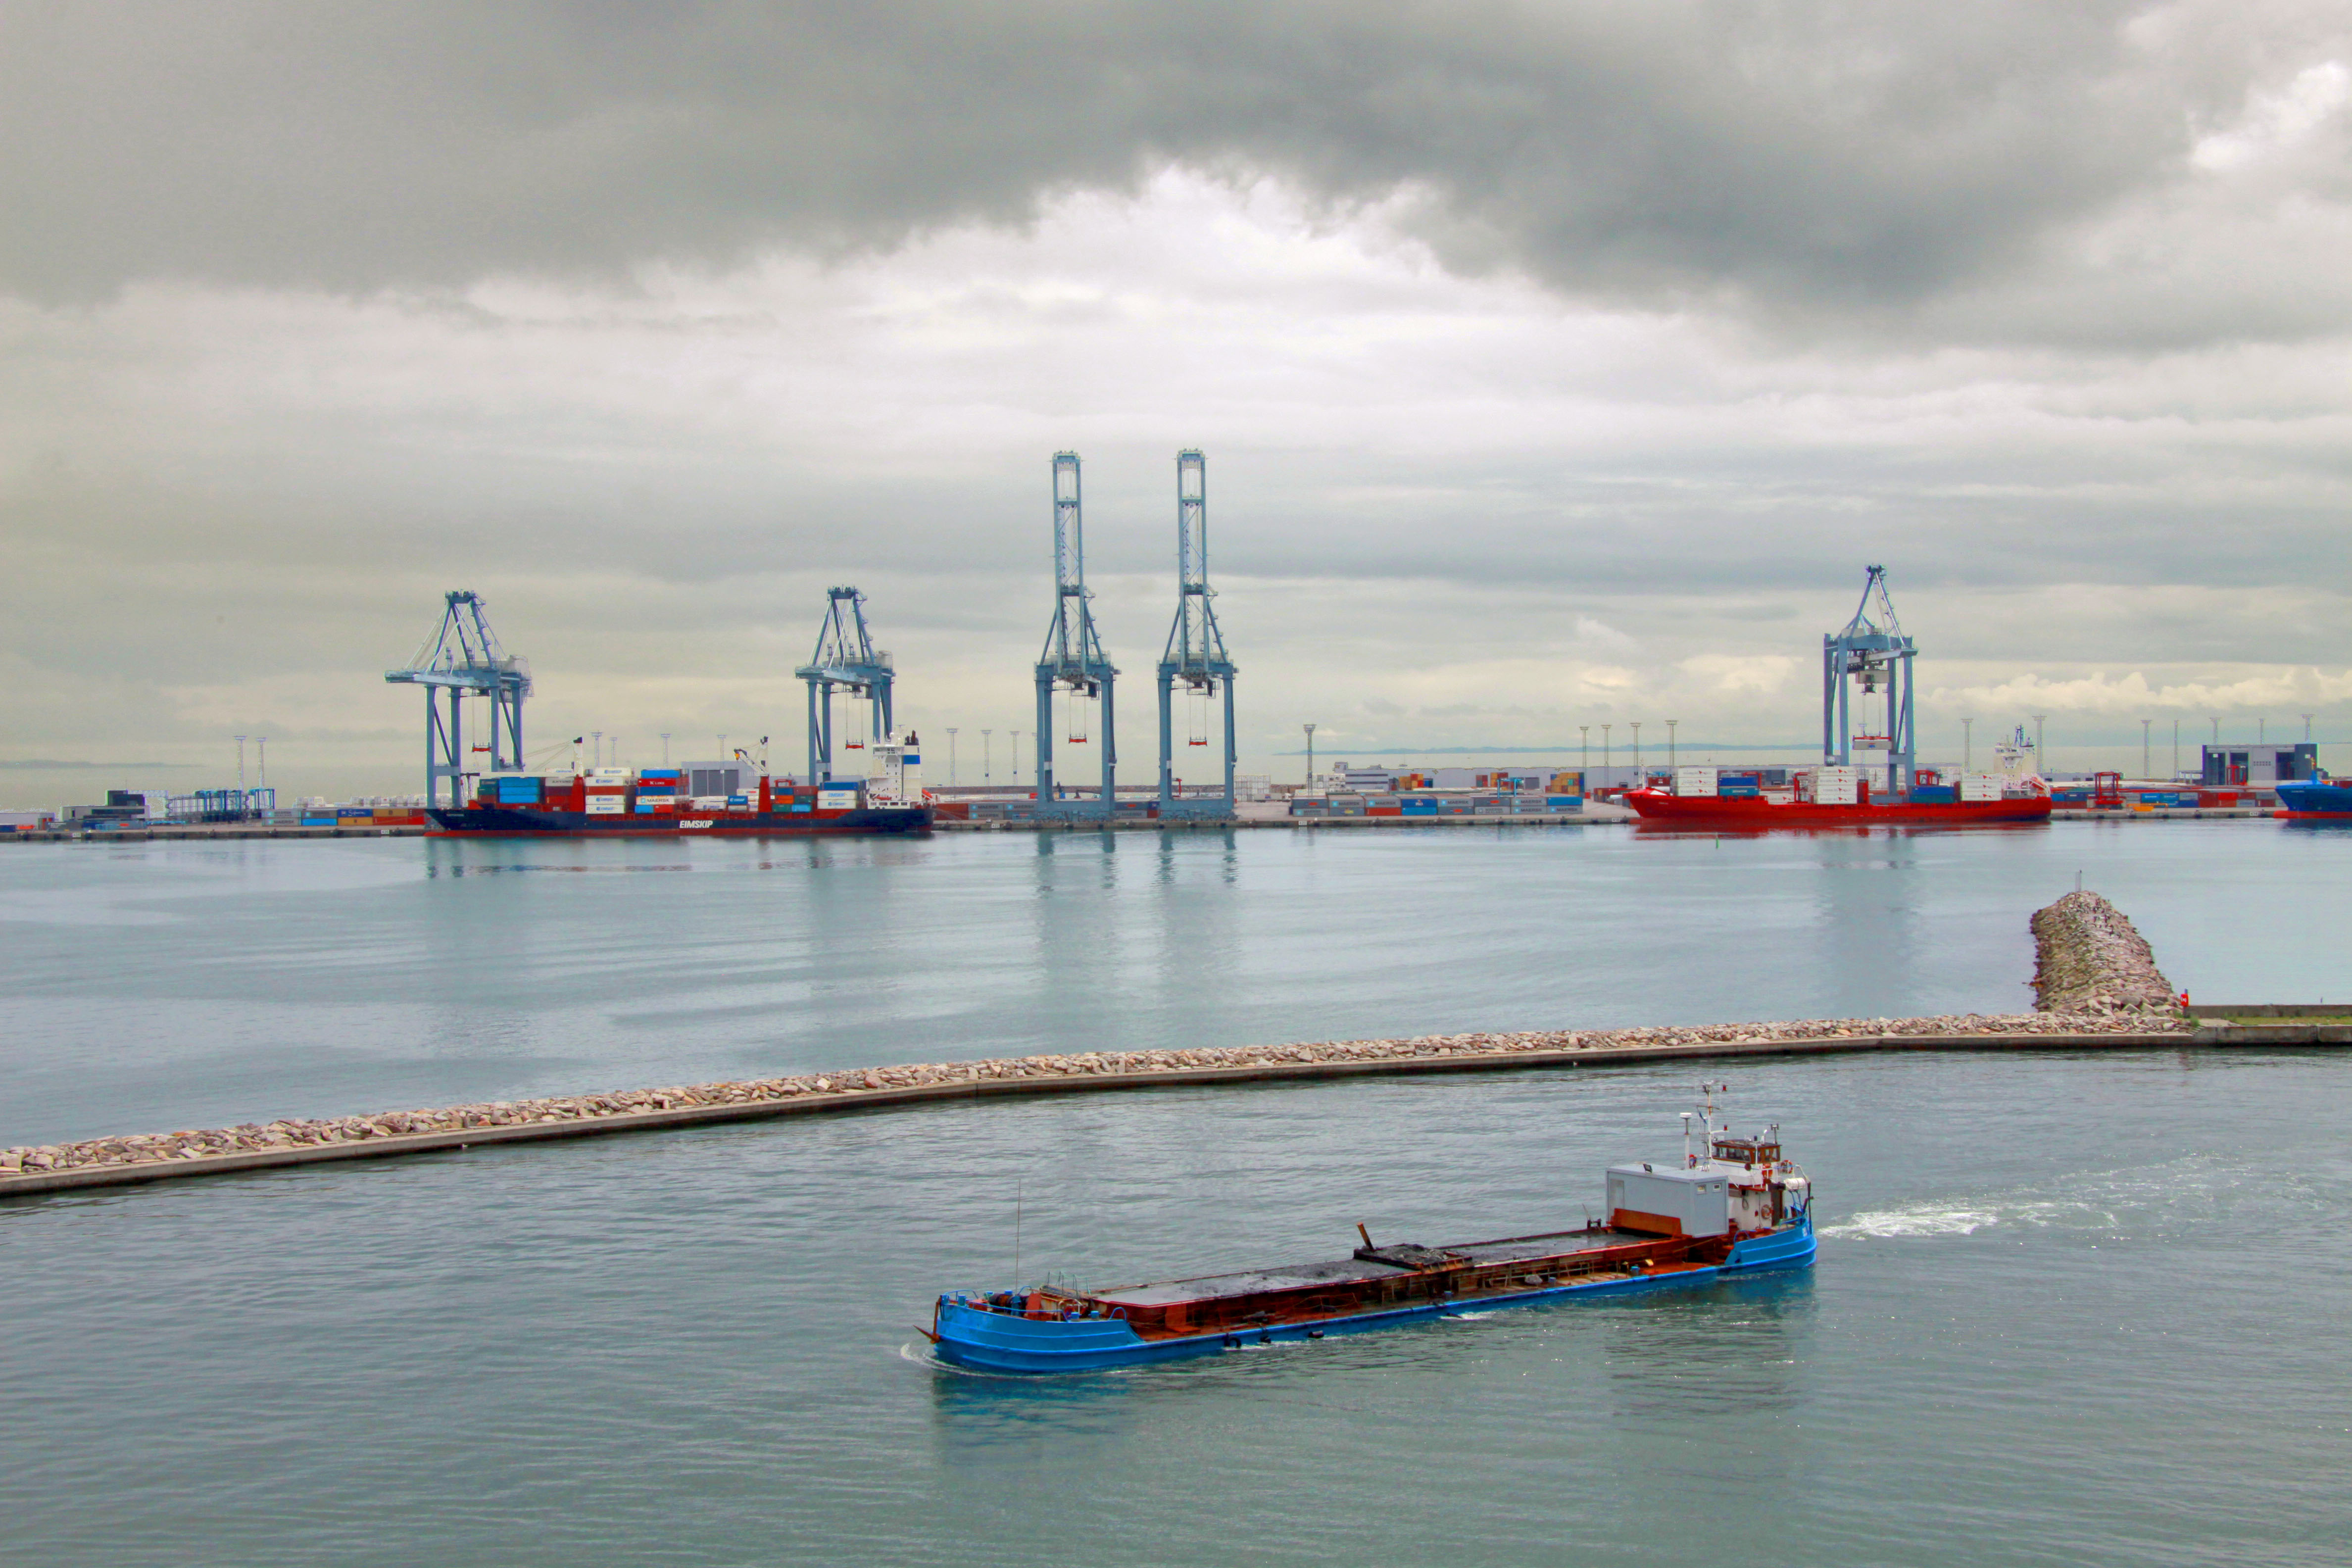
(2091, 962)
(844, 1088)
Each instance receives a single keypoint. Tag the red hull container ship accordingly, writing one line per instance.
(1836, 797)
(698, 800)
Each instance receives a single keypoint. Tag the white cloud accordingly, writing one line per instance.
(2275, 690)
(2276, 122)
(1759, 674)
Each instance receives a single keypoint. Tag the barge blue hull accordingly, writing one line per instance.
(985, 1341)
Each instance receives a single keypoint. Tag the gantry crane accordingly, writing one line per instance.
(845, 657)
(1195, 655)
(463, 657)
(1073, 658)
(1877, 652)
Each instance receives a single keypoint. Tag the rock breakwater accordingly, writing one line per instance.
(2091, 962)
(156, 1148)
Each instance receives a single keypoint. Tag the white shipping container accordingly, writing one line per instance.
(606, 806)
(1694, 781)
(1980, 786)
(1672, 1202)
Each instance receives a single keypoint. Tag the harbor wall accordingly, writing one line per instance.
(2090, 959)
(113, 1161)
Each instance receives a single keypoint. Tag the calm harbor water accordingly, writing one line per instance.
(173, 985)
(2069, 1309)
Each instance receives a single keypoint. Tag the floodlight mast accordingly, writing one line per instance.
(845, 657)
(1196, 654)
(464, 655)
(1073, 658)
(1874, 650)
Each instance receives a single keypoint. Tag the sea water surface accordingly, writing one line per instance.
(2069, 1309)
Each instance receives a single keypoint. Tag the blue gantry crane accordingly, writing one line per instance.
(846, 657)
(463, 657)
(1874, 649)
(1073, 658)
(1195, 657)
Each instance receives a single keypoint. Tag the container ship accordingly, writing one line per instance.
(1838, 797)
(1739, 1207)
(2316, 800)
(698, 799)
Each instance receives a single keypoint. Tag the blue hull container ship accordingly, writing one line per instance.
(1740, 1208)
(2322, 799)
(726, 799)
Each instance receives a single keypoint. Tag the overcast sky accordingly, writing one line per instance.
(1555, 365)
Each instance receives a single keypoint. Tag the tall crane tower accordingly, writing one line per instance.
(845, 657)
(1874, 649)
(1073, 658)
(463, 657)
(1195, 655)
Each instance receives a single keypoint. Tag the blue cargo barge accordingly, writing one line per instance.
(1741, 1208)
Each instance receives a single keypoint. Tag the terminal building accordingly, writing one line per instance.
(2261, 765)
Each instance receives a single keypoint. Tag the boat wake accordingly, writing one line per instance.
(2192, 1190)
(1883, 1224)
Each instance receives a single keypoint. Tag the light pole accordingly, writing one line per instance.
(1016, 755)
(2306, 725)
(1584, 748)
(2041, 761)
(665, 734)
(2145, 765)
(1604, 747)
(987, 757)
(1310, 756)
(597, 736)
(2217, 728)
(952, 755)
(261, 757)
(1967, 744)
(2261, 732)
(1673, 756)
(240, 773)
(1637, 752)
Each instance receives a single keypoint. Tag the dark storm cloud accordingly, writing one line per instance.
(1799, 157)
